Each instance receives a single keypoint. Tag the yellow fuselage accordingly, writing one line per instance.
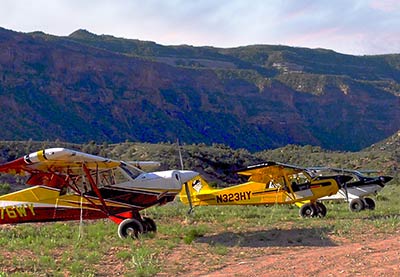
(256, 193)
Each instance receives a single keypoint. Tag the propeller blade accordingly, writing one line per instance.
(189, 198)
(180, 154)
(346, 192)
(345, 188)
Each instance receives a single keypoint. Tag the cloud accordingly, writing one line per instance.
(347, 26)
(387, 6)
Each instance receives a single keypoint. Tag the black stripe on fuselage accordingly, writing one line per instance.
(133, 197)
(265, 191)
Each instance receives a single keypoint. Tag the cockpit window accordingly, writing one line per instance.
(298, 178)
(277, 183)
(131, 171)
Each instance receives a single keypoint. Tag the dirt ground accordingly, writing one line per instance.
(250, 255)
(287, 251)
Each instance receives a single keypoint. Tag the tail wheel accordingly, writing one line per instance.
(130, 228)
(321, 209)
(149, 225)
(356, 205)
(370, 203)
(307, 210)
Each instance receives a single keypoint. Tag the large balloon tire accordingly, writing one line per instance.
(357, 205)
(321, 209)
(149, 225)
(370, 203)
(130, 228)
(307, 210)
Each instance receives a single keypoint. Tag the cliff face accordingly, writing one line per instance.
(87, 87)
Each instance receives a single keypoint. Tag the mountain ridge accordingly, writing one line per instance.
(107, 89)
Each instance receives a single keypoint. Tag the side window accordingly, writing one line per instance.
(299, 181)
(277, 183)
(302, 179)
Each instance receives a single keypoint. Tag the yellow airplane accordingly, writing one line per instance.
(268, 183)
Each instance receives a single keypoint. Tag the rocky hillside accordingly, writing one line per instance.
(219, 163)
(88, 87)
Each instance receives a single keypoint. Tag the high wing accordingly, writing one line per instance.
(50, 166)
(264, 172)
(57, 160)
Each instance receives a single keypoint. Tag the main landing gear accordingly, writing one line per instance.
(359, 204)
(316, 209)
(132, 227)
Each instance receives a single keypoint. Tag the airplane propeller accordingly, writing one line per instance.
(187, 190)
(189, 198)
(180, 154)
(346, 192)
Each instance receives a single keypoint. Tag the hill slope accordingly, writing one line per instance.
(87, 87)
(218, 163)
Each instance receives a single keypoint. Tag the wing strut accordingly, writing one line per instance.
(95, 188)
(78, 191)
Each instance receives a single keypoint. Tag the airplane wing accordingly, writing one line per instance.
(57, 160)
(264, 172)
(145, 165)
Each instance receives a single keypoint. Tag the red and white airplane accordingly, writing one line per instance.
(71, 185)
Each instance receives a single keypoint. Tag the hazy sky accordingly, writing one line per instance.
(346, 26)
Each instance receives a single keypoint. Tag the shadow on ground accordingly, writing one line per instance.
(274, 237)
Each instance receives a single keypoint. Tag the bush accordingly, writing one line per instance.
(4, 188)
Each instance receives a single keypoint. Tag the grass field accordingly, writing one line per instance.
(210, 234)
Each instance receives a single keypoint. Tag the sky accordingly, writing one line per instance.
(357, 27)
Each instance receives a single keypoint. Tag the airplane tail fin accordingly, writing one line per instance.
(194, 191)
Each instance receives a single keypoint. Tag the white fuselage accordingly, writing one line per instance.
(354, 192)
(171, 180)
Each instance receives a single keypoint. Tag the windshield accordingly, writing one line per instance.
(130, 171)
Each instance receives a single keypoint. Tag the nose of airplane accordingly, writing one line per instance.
(385, 179)
(186, 175)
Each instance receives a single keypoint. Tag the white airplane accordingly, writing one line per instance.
(355, 191)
